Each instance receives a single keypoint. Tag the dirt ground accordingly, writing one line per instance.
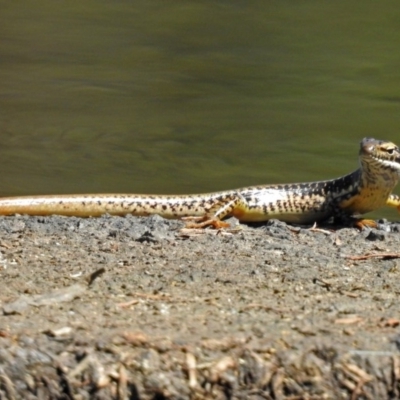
(137, 308)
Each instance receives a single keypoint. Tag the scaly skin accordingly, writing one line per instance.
(364, 190)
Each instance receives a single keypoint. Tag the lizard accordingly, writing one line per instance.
(366, 189)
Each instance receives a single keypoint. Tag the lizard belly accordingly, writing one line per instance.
(369, 199)
(283, 203)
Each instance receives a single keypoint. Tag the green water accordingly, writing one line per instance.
(171, 96)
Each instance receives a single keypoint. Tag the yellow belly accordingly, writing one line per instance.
(367, 200)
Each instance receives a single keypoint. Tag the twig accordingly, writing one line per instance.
(91, 278)
(384, 256)
(191, 369)
(122, 388)
(315, 229)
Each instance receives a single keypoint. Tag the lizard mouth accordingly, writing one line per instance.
(391, 164)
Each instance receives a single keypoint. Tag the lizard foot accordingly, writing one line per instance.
(365, 223)
(203, 222)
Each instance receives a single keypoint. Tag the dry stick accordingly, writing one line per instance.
(191, 369)
(376, 255)
(314, 228)
(122, 388)
(163, 297)
(91, 278)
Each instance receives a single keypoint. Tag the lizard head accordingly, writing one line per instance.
(379, 156)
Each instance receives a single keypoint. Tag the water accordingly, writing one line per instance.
(182, 97)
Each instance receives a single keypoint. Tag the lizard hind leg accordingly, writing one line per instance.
(222, 208)
(203, 222)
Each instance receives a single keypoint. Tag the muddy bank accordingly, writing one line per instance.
(136, 308)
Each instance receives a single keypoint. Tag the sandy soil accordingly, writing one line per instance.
(137, 308)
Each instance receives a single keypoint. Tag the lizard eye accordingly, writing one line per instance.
(391, 151)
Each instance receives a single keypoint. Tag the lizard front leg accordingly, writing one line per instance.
(393, 201)
(347, 208)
